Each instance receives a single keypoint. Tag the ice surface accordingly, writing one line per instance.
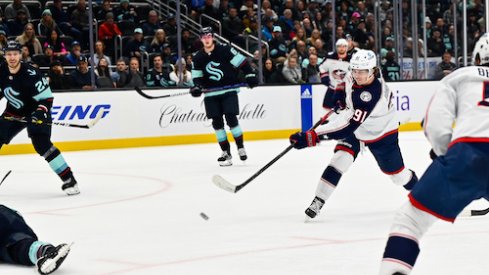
(139, 213)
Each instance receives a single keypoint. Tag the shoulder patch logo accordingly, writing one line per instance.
(366, 96)
(31, 72)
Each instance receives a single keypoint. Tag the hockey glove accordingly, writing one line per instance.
(251, 80)
(301, 140)
(433, 155)
(40, 115)
(196, 91)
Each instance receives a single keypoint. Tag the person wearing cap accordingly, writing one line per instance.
(81, 77)
(47, 24)
(215, 74)
(30, 98)
(388, 47)
(267, 29)
(12, 9)
(71, 59)
(16, 27)
(277, 46)
(136, 45)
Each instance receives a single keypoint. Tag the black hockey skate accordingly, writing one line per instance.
(225, 159)
(52, 258)
(70, 186)
(313, 210)
(242, 154)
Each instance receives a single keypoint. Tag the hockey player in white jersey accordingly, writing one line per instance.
(458, 174)
(369, 118)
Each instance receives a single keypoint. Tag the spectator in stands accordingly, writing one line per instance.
(16, 27)
(12, 9)
(28, 38)
(157, 76)
(125, 12)
(232, 25)
(270, 72)
(252, 29)
(321, 51)
(287, 23)
(306, 24)
(99, 53)
(302, 52)
(267, 29)
(311, 51)
(81, 77)
(152, 23)
(26, 55)
(135, 78)
(445, 67)
(170, 26)
(449, 39)
(389, 47)
(210, 10)
(278, 48)
(121, 74)
(311, 72)
(3, 43)
(159, 41)
(300, 35)
(189, 61)
(107, 33)
(186, 80)
(46, 59)
(291, 71)
(315, 35)
(56, 44)
(136, 45)
(436, 47)
(57, 78)
(106, 8)
(247, 5)
(267, 10)
(104, 77)
(391, 70)
(63, 20)
(167, 55)
(71, 59)
(47, 24)
(188, 42)
(80, 20)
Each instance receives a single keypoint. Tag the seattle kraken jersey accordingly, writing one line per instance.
(24, 90)
(333, 69)
(218, 68)
(461, 97)
(369, 113)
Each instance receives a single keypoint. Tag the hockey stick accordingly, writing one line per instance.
(139, 91)
(84, 126)
(6, 175)
(228, 186)
(472, 213)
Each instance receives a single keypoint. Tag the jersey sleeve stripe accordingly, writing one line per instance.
(237, 60)
(197, 73)
(44, 95)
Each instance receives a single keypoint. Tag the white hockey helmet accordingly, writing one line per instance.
(481, 50)
(341, 42)
(363, 60)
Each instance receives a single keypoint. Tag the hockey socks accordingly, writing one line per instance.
(400, 254)
(238, 136)
(59, 166)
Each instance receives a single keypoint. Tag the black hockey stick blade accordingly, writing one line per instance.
(481, 212)
(139, 91)
(6, 175)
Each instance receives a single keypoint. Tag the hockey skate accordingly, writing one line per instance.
(225, 159)
(53, 258)
(70, 187)
(313, 210)
(242, 154)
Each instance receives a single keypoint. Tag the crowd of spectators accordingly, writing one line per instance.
(298, 34)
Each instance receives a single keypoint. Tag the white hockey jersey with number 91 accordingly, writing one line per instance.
(462, 97)
(369, 112)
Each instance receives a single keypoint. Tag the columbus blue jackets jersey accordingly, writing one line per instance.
(333, 69)
(369, 113)
(219, 68)
(24, 90)
(461, 98)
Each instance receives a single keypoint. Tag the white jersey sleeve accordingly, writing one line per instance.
(461, 99)
(336, 70)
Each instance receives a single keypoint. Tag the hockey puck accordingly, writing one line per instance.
(204, 216)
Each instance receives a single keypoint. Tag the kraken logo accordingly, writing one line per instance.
(215, 73)
(11, 94)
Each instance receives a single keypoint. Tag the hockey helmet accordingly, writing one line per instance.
(206, 31)
(363, 60)
(341, 42)
(13, 45)
(481, 50)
